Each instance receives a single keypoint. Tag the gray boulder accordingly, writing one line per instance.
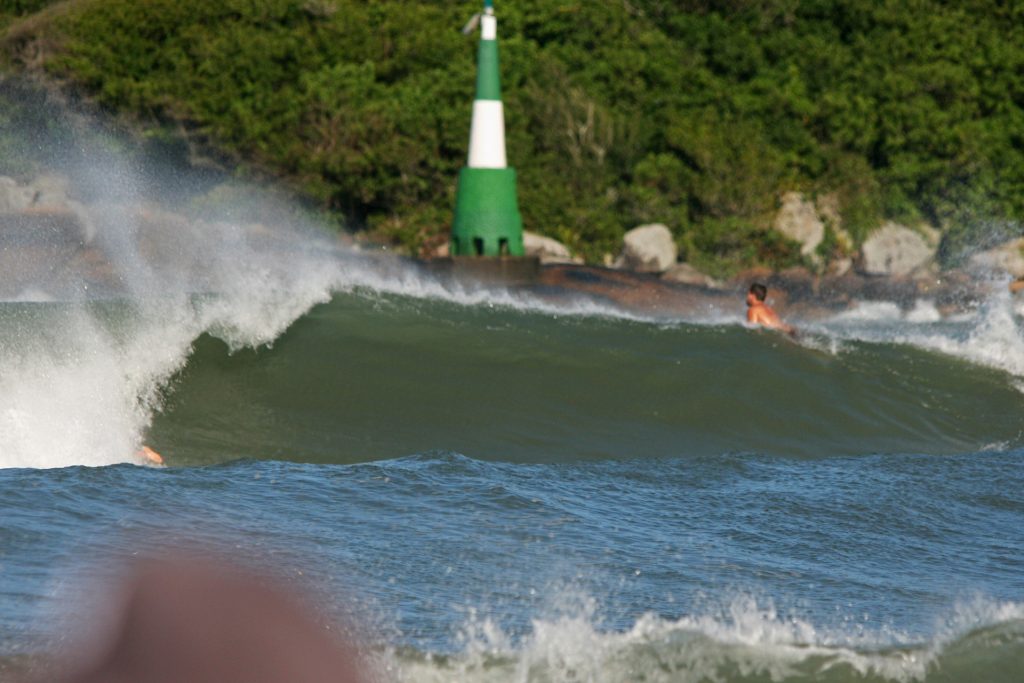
(49, 191)
(839, 267)
(14, 197)
(648, 249)
(798, 220)
(686, 274)
(828, 209)
(895, 250)
(548, 250)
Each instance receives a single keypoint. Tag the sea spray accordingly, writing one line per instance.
(989, 335)
(83, 371)
(747, 641)
(995, 339)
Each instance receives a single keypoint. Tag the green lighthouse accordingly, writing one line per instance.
(487, 220)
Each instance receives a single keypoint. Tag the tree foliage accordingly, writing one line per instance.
(697, 114)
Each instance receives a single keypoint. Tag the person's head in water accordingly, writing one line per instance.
(757, 294)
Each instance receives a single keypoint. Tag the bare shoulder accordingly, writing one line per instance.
(760, 314)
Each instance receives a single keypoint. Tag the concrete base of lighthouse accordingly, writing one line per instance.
(487, 220)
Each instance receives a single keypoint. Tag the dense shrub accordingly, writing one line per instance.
(697, 113)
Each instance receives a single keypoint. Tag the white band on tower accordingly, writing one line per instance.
(488, 27)
(487, 135)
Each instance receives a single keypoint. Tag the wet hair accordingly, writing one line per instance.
(759, 291)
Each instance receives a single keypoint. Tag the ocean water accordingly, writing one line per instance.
(494, 487)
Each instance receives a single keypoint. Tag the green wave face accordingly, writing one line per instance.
(372, 377)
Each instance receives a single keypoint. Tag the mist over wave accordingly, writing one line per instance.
(81, 379)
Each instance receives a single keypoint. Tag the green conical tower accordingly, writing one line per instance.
(487, 220)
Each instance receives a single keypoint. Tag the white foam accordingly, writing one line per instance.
(924, 311)
(989, 336)
(872, 311)
(752, 638)
(400, 279)
(995, 339)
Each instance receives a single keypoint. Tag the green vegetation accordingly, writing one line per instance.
(694, 113)
(12, 9)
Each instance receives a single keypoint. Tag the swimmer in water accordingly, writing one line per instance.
(760, 313)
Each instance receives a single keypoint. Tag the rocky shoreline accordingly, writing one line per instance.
(896, 263)
(48, 236)
(794, 294)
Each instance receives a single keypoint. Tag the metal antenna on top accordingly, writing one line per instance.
(471, 25)
(474, 20)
